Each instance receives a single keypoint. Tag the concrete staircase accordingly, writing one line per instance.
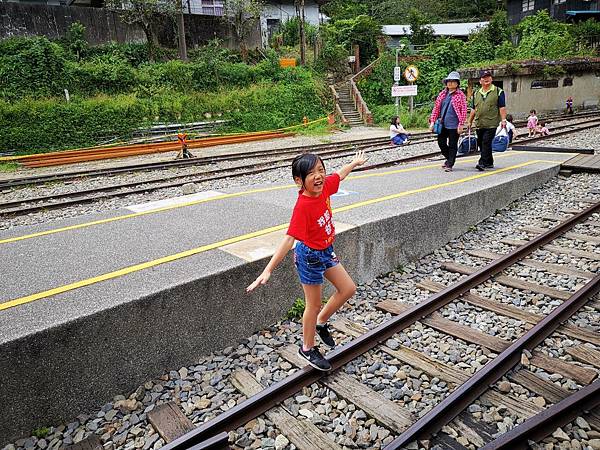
(347, 106)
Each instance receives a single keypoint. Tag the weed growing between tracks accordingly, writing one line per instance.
(297, 309)
(8, 166)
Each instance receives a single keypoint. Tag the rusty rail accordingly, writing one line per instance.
(465, 394)
(542, 425)
(92, 154)
(278, 392)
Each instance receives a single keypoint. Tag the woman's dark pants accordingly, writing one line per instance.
(448, 143)
(484, 140)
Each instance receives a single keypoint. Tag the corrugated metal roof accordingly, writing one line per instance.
(439, 29)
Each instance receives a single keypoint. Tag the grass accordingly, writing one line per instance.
(41, 433)
(297, 309)
(8, 166)
(419, 119)
(317, 129)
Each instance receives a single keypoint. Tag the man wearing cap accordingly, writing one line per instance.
(451, 110)
(488, 108)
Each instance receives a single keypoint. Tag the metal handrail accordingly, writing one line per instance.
(359, 103)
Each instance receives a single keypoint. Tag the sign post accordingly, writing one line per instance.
(404, 91)
(411, 74)
(397, 76)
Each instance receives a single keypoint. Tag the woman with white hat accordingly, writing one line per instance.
(450, 112)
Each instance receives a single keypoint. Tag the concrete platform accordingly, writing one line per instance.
(94, 306)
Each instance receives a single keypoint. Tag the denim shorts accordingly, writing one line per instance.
(312, 264)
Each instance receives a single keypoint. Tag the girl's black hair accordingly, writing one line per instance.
(509, 117)
(303, 164)
(393, 122)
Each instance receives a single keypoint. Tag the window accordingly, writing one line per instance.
(212, 7)
(528, 5)
(558, 2)
(513, 86)
(543, 84)
(568, 82)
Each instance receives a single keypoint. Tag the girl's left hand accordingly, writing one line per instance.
(359, 158)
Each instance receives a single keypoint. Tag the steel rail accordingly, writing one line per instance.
(88, 195)
(196, 161)
(543, 424)
(278, 392)
(218, 442)
(561, 133)
(144, 146)
(192, 162)
(468, 392)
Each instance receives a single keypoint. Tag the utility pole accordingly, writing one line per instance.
(181, 32)
(300, 11)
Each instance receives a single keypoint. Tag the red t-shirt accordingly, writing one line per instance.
(312, 220)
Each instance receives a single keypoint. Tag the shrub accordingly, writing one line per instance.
(43, 125)
(108, 74)
(290, 32)
(333, 59)
(31, 66)
(382, 115)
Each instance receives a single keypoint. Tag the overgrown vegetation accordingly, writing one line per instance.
(297, 309)
(538, 37)
(116, 89)
(391, 12)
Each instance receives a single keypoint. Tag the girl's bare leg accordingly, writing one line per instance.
(312, 296)
(345, 288)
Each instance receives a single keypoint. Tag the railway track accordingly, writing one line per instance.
(41, 179)
(328, 151)
(31, 205)
(513, 360)
(80, 174)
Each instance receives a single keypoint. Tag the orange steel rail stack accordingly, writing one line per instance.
(97, 153)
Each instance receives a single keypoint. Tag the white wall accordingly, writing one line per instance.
(284, 10)
(585, 92)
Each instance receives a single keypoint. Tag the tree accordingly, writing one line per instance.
(421, 32)
(242, 16)
(362, 30)
(143, 13)
(344, 9)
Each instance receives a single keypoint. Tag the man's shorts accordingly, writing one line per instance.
(312, 264)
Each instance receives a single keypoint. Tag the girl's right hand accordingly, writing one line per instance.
(260, 280)
(359, 158)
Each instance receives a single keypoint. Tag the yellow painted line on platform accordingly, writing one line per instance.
(215, 245)
(436, 186)
(135, 268)
(196, 202)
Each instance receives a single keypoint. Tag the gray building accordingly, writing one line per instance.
(52, 18)
(563, 10)
(544, 85)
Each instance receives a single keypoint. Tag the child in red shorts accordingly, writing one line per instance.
(312, 226)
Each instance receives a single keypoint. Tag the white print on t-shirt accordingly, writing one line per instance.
(325, 221)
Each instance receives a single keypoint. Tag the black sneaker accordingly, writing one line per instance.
(315, 359)
(488, 166)
(323, 332)
(480, 167)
